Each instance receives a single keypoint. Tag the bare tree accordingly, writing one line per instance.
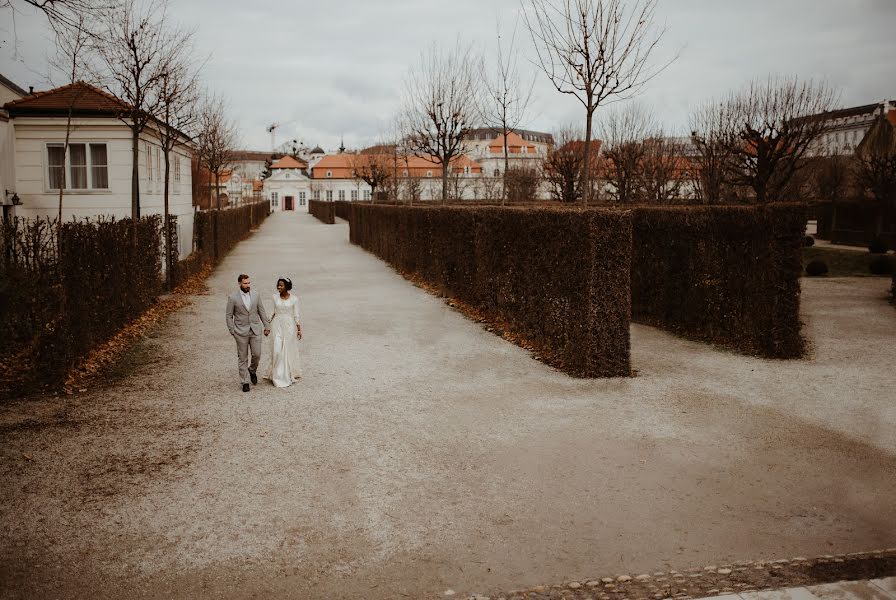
(595, 50)
(623, 132)
(664, 168)
(831, 177)
(563, 166)
(178, 113)
(522, 184)
(136, 53)
(65, 14)
(505, 98)
(72, 45)
(708, 126)
(215, 140)
(768, 129)
(373, 168)
(877, 162)
(440, 106)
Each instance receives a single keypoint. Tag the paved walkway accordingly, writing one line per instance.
(421, 453)
(875, 589)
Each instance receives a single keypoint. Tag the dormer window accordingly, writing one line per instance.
(429, 173)
(329, 173)
(404, 174)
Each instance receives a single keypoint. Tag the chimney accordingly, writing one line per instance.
(30, 90)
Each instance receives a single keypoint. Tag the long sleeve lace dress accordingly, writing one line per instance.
(283, 343)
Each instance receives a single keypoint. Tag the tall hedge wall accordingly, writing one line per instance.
(343, 209)
(567, 294)
(324, 211)
(723, 274)
(233, 225)
(64, 290)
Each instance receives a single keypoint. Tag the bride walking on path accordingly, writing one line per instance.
(286, 331)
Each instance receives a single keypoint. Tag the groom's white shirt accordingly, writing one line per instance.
(247, 299)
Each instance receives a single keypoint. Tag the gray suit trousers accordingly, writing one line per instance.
(243, 346)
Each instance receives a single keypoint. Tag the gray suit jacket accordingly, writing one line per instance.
(242, 322)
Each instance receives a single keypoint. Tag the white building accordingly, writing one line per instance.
(95, 173)
(848, 126)
(526, 149)
(8, 93)
(288, 187)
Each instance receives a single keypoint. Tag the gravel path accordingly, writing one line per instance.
(421, 453)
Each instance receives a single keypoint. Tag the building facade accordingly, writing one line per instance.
(94, 174)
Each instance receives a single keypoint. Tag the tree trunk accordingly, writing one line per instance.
(135, 174)
(68, 130)
(217, 214)
(445, 167)
(586, 160)
(168, 277)
(506, 165)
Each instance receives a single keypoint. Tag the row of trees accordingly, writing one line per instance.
(132, 50)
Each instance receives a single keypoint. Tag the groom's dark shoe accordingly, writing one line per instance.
(245, 387)
(253, 377)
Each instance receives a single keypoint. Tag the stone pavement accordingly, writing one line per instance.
(874, 589)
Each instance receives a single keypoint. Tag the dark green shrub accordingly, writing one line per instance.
(809, 241)
(325, 212)
(568, 294)
(722, 274)
(881, 265)
(816, 268)
(877, 246)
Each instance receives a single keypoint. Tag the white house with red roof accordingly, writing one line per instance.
(288, 187)
(334, 176)
(95, 172)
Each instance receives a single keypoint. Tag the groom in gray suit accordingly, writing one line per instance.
(245, 318)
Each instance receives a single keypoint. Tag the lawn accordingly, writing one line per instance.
(842, 263)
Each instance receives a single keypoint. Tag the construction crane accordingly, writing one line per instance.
(273, 127)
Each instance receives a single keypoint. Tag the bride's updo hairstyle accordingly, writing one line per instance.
(287, 283)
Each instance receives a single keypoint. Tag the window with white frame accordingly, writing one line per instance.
(301, 198)
(274, 199)
(329, 173)
(147, 150)
(329, 195)
(86, 164)
(367, 194)
(354, 195)
(315, 195)
(159, 168)
(341, 195)
(429, 173)
(176, 174)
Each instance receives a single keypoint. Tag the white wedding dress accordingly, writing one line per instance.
(283, 343)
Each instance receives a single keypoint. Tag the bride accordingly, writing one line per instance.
(283, 341)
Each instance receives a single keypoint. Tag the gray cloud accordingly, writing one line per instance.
(337, 68)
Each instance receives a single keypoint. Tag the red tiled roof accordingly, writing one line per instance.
(83, 98)
(515, 144)
(341, 165)
(288, 162)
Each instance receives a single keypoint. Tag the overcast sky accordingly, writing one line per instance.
(337, 68)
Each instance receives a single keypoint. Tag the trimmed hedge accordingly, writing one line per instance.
(343, 209)
(61, 299)
(233, 225)
(723, 274)
(324, 211)
(566, 294)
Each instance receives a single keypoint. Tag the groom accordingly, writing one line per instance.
(245, 317)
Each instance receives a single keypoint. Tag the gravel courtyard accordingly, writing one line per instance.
(421, 453)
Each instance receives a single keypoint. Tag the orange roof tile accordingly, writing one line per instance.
(515, 144)
(83, 98)
(288, 162)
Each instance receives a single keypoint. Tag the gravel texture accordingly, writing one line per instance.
(422, 454)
